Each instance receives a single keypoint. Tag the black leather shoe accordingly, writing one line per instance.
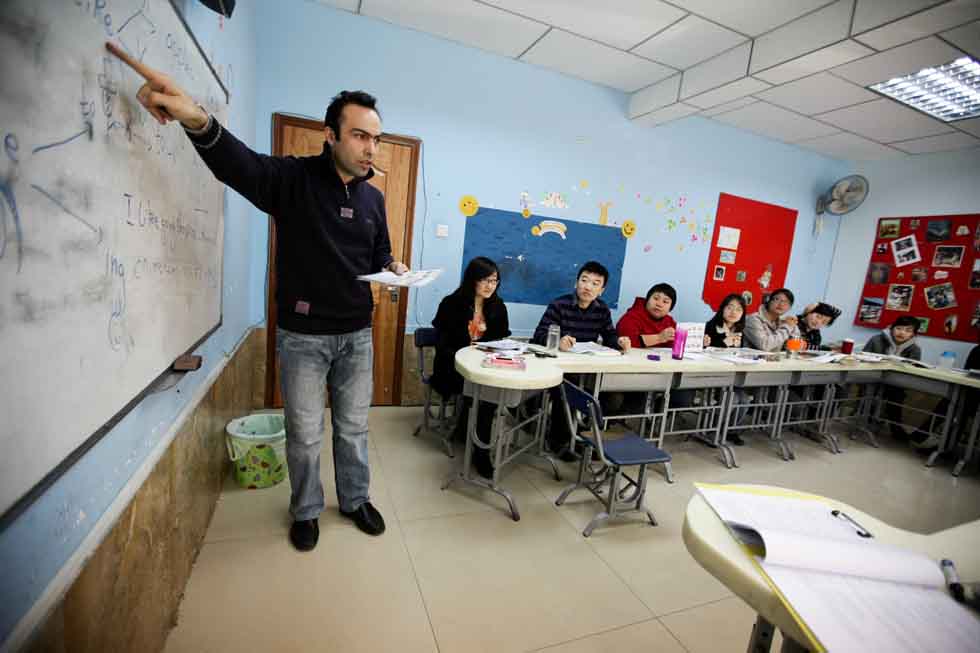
(304, 534)
(736, 439)
(367, 518)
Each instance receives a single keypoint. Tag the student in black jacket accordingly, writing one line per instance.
(472, 313)
(725, 328)
(330, 227)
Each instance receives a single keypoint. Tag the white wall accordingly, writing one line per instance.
(920, 185)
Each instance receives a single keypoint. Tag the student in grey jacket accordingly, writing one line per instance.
(896, 340)
(765, 330)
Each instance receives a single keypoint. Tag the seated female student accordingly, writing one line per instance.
(815, 317)
(473, 312)
(897, 340)
(725, 330)
(726, 327)
(770, 327)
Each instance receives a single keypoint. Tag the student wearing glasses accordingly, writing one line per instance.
(770, 327)
(473, 312)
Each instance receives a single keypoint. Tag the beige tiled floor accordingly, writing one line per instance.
(454, 573)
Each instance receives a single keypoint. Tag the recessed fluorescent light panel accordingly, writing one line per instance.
(950, 92)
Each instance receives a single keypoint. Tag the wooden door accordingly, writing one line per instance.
(395, 169)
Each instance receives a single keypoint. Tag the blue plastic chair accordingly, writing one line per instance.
(440, 423)
(612, 455)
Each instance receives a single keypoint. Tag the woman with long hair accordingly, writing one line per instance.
(473, 312)
(725, 328)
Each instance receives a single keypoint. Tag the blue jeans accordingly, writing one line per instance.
(310, 365)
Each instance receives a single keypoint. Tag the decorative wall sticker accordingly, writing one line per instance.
(549, 227)
(628, 229)
(554, 200)
(604, 212)
(647, 247)
(468, 205)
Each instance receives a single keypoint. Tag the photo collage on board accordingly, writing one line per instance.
(927, 267)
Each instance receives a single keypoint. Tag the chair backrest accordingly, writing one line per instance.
(578, 400)
(425, 337)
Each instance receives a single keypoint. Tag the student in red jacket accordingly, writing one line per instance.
(648, 323)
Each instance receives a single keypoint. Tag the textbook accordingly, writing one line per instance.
(847, 591)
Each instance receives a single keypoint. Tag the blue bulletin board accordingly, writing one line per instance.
(539, 256)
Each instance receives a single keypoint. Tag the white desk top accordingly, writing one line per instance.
(710, 543)
(540, 371)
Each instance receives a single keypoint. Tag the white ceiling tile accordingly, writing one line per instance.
(872, 13)
(885, 121)
(807, 34)
(817, 94)
(971, 126)
(470, 23)
(924, 23)
(688, 42)
(850, 147)
(752, 17)
(347, 5)
(966, 38)
(654, 97)
(899, 61)
(712, 73)
(775, 122)
(667, 114)
(729, 106)
(594, 62)
(622, 24)
(942, 143)
(731, 91)
(832, 55)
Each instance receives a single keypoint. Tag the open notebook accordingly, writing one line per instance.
(847, 592)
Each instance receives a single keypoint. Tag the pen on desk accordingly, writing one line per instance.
(952, 579)
(861, 530)
(653, 357)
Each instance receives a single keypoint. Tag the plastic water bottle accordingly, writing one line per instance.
(948, 360)
(554, 336)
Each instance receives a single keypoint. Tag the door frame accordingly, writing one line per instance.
(280, 121)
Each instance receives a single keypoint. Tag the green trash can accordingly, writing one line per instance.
(257, 448)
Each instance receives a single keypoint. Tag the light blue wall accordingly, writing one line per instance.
(36, 546)
(926, 184)
(493, 127)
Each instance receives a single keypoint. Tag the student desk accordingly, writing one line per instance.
(710, 543)
(505, 389)
(633, 371)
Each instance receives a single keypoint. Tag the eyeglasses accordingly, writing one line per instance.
(490, 281)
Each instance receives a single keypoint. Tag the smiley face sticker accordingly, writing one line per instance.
(468, 205)
(628, 229)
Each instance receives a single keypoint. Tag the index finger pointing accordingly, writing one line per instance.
(142, 69)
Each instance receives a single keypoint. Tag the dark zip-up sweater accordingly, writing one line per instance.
(321, 247)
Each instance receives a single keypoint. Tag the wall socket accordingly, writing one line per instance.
(442, 231)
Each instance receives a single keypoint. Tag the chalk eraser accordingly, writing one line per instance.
(187, 363)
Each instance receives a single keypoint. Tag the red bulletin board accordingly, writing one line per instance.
(749, 250)
(927, 267)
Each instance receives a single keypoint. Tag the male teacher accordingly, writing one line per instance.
(330, 227)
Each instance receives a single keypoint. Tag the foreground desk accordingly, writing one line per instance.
(505, 389)
(711, 543)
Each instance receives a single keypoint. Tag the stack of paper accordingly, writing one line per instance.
(594, 349)
(506, 344)
(847, 592)
(412, 278)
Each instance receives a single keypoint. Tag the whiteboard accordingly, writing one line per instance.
(111, 227)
